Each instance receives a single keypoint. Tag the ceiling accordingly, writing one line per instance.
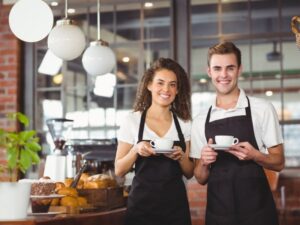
(86, 2)
(79, 2)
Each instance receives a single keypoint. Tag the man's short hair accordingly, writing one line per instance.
(224, 48)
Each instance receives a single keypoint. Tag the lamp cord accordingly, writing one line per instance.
(66, 9)
(98, 20)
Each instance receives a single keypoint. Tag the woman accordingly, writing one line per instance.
(162, 110)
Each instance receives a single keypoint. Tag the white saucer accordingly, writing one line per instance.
(46, 196)
(164, 150)
(220, 147)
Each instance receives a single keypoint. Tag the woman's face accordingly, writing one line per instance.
(163, 87)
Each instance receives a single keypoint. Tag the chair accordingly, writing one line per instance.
(273, 180)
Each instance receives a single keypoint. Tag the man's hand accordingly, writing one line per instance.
(208, 155)
(243, 151)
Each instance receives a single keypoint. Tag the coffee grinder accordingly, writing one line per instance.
(56, 165)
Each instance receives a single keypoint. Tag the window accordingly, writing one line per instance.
(137, 34)
(262, 31)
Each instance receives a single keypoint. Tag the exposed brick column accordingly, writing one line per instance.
(10, 51)
(197, 201)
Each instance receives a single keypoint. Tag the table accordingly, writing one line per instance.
(112, 217)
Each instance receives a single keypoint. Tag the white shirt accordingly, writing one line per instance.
(264, 119)
(129, 130)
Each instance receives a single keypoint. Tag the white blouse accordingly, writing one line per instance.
(129, 129)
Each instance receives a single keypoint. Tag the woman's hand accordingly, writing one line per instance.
(177, 154)
(144, 149)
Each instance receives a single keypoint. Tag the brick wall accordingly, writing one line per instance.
(197, 200)
(9, 74)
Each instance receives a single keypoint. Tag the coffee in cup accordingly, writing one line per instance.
(161, 143)
(226, 140)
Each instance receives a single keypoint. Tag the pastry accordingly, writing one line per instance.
(69, 201)
(68, 191)
(43, 187)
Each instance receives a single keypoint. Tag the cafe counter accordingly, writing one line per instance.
(112, 217)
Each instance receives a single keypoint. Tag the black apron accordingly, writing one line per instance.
(238, 192)
(158, 194)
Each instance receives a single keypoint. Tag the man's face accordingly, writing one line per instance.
(224, 73)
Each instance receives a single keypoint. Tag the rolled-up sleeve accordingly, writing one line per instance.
(197, 142)
(126, 131)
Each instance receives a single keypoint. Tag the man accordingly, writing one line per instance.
(238, 192)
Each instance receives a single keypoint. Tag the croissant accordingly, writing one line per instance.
(68, 191)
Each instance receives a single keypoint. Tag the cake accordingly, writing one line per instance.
(39, 188)
(43, 186)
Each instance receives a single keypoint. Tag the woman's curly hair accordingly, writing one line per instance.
(181, 106)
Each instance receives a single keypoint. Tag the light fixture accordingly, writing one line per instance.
(54, 3)
(50, 64)
(203, 81)
(148, 4)
(295, 29)
(269, 93)
(98, 58)
(66, 40)
(274, 55)
(30, 20)
(58, 78)
(105, 85)
(71, 11)
(125, 59)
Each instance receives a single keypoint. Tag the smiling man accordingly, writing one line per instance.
(238, 192)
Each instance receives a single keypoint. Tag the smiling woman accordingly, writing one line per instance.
(162, 110)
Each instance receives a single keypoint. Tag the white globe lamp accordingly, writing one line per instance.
(66, 40)
(30, 20)
(98, 58)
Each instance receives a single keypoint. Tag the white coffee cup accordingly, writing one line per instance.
(226, 140)
(162, 143)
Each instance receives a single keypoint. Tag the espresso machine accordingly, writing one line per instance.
(98, 154)
(56, 166)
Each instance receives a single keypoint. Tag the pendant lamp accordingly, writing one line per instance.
(66, 40)
(30, 20)
(98, 58)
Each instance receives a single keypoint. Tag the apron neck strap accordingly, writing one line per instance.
(142, 125)
(178, 128)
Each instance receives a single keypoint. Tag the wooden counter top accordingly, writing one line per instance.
(112, 217)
